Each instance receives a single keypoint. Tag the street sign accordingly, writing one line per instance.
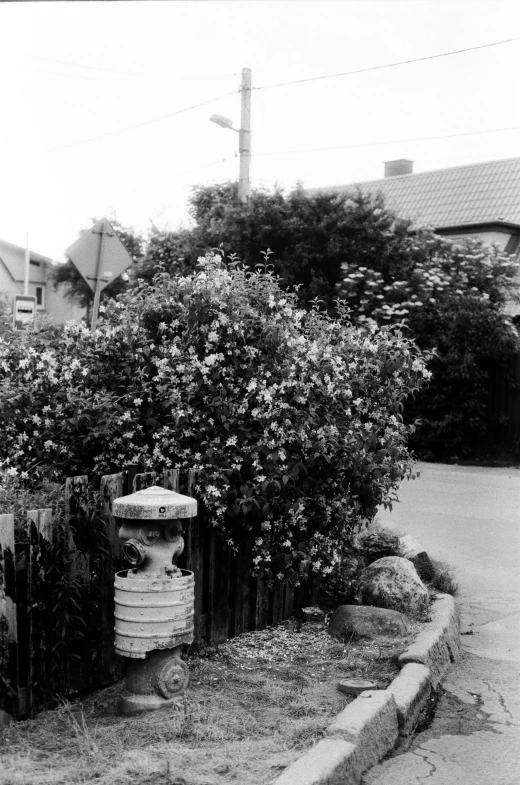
(24, 310)
(85, 255)
(99, 256)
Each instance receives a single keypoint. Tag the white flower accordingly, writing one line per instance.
(138, 401)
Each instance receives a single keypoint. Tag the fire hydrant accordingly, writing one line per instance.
(154, 599)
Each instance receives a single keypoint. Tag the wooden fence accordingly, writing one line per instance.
(57, 597)
(504, 404)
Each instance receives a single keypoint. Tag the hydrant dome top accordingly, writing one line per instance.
(155, 503)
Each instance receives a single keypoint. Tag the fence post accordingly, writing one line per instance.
(195, 558)
(39, 681)
(144, 480)
(81, 649)
(9, 695)
(111, 666)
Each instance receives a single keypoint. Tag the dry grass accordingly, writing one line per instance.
(443, 580)
(252, 706)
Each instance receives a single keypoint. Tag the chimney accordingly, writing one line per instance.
(401, 166)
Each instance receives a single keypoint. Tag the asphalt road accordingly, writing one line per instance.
(470, 518)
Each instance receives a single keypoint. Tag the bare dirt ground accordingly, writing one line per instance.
(252, 707)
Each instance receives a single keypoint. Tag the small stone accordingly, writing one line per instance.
(313, 614)
(222, 768)
(366, 621)
(393, 582)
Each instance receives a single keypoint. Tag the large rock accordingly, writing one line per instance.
(367, 621)
(393, 582)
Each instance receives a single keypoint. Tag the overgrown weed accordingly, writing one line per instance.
(443, 580)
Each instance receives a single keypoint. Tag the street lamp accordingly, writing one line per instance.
(244, 134)
(224, 122)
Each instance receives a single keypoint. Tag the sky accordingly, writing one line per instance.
(96, 100)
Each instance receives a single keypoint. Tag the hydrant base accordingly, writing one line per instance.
(130, 705)
(158, 682)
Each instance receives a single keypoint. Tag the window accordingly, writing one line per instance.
(40, 297)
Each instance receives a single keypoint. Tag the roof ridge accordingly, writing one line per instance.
(40, 256)
(430, 171)
(479, 193)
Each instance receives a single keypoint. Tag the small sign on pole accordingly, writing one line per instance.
(24, 310)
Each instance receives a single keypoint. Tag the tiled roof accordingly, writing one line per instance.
(13, 256)
(462, 195)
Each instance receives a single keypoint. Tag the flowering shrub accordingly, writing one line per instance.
(450, 298)
(437, 272)
(291, 419)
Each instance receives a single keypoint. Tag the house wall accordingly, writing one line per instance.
(7, 285)
(59, 308)
(55, 305)
(491, 237)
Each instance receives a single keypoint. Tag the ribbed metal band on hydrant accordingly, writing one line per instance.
(152, 612)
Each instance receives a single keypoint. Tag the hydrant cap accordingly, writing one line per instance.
(155, 503)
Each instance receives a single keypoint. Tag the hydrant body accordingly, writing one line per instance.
(154, 601)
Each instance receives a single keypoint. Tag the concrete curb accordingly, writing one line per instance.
(368, 728)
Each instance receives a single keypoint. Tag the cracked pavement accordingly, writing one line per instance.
(468, 517)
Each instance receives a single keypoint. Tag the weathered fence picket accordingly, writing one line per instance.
(9, 684)
(504, 403)
(110, 665)
(57, 593)
(39, 617)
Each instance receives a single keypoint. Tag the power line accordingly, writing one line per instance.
(79, 65)
(139, 125)
(33, 69)
(182, 172)
(387, 65)
(389, 141)
(116, 71)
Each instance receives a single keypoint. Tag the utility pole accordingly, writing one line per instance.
(244, 140)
